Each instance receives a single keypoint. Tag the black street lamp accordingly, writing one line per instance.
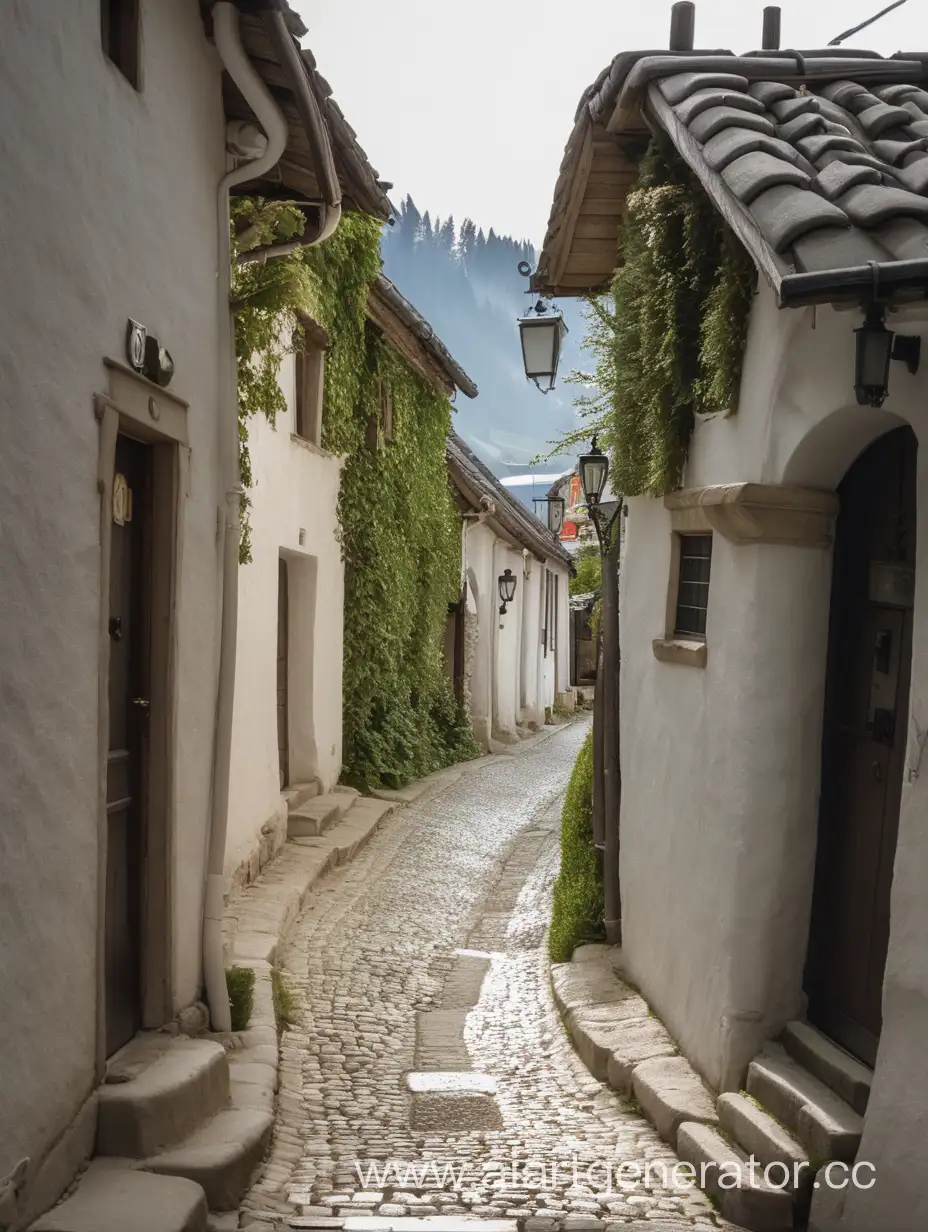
(507, 589)
(607, 781)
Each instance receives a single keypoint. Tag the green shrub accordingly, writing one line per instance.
(240, 982)
(579, 910)
(286, 1007)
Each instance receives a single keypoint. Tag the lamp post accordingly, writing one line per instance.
(607, 782)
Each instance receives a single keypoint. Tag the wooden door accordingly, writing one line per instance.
(864, 742)
(127, 765)
(283, 671)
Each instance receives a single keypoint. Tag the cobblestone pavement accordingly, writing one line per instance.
(375, 950)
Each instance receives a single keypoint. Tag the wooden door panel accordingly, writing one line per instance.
(863, 748)
(283, 671)
(129, 628)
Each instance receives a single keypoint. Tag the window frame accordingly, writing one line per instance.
(309, 380)
(702, 608)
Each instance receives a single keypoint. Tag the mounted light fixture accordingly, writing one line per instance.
(541, 336)
(876, 346)
(542, 331)
(556, 507)
(146, 354)
(594, 469)
(507, 589)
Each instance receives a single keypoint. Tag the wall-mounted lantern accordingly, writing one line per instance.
(876, 346)
(594, 469)
(146, 354)
(542, 330)
(507, 589)
(556, 508)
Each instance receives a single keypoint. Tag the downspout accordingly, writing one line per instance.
(239, 67)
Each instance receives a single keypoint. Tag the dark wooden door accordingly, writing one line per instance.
(127, 767)
(283, 671)
(864, 742)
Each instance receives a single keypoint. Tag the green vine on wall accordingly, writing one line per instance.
(399, 531)
(669, 336)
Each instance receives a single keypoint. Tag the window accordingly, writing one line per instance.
(386, 411)
(119, 32)
(693, 587)
(310, 342)
(549, 631)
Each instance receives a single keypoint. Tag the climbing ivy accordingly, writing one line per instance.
(669, 336)
(399, 532)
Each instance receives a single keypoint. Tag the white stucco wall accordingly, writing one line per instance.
(108, 200)
(512, 679)
(296, 488)
(721, 765)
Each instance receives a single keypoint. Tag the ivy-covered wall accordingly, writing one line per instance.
(400, 533)
(669, 337)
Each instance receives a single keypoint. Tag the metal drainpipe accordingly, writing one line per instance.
(239, 67)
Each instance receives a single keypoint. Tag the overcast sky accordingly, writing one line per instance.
(467, 106)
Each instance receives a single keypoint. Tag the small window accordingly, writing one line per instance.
(119, 31)
(386, 411)
(693, 588)
(309, 375)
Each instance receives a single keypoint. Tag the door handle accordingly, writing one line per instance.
(142, 702)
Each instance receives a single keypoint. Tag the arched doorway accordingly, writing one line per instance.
(864, 742)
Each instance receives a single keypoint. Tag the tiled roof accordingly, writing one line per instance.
(295, 174)
(412, 320)
(474, 479)
(817, 160)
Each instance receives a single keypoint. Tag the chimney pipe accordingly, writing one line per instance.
(682, 25)
(771, 36)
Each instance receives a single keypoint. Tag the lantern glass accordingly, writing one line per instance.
(541, 346)
(507, 586)
(594, 467)
(874, 350)
(555, 514)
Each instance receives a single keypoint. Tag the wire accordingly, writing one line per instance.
(863, 25)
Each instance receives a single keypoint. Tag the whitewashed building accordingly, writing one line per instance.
(774, 850)
(287, 728)
(127, 127)
(513, 665)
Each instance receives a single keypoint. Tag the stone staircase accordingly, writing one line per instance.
(802, 1107)
(177, 1133)
(183, 1124)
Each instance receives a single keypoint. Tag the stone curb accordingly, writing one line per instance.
(622, 1043)
(258, 919)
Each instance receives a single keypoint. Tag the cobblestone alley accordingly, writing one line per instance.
(449, 904)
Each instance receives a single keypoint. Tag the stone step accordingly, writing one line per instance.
(750, 1203)
(847, 1077)
(299, 793)
(827, 1127)
(115, 1198)
(758, 1134)
(262, 913)
(158, 1089)
(221, 1156)
(670, 1092)
(319, 814)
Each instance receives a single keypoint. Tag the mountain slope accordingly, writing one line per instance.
(467, 285)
